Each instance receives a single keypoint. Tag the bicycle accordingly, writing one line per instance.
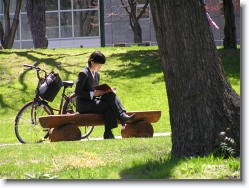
(27, 126)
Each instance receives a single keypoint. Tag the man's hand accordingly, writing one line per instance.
(98, 93)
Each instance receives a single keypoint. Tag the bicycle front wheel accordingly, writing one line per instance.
(70, 107)
(27, 126)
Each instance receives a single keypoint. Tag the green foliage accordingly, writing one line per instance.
(224, 146)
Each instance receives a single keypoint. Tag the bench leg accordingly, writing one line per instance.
(137, 129)
(68, 132)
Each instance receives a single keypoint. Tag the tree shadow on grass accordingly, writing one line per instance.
(151, 170)
(52, 60)
(36, 58)
(135, 64)
(231, 64)
(139, 63)
(3, 105)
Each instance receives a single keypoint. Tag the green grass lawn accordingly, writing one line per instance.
(137, 74)
(133, 71)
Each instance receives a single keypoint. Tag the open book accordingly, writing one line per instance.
(105, 87)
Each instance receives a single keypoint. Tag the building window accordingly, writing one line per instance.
(25, 28)
(65, 4)
(1, 8)
(52, 25)
(81, 21)
(66, 24)
(86, 23)
(51, 5)
(23, 6)
(85, 4)
(12, 7)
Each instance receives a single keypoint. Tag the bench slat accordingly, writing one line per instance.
(53, 121)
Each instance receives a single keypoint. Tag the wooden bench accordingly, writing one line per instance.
(59, 124)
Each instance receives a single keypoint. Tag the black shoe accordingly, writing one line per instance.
(108, 135)
(125, 118)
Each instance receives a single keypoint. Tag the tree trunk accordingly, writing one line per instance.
(37, 22)
(229, 41)
(137, 32)
(202, 102)
(1, 35)
(7, 38)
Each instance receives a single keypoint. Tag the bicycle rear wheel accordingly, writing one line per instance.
(27, 126)
(70, 107)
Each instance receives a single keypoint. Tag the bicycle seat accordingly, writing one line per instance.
(67, 83)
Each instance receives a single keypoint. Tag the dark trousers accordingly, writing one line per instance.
(109, 105)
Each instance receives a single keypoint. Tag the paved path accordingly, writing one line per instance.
(117, 137)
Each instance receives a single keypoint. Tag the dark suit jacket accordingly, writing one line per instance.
(84, 84)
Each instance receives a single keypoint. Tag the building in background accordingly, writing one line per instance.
(75, 23)
(69, 24)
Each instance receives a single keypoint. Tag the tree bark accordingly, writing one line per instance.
(202, 102)
(7, 37)
(36, 16)
(1, 35)
(229, 41)
(136, 28)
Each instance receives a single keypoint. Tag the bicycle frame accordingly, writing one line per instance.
(38, 99)
(64, 97)
(27, 125)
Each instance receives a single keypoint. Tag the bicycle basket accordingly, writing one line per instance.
(52, 88)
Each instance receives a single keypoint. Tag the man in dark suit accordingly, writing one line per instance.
(90, 100)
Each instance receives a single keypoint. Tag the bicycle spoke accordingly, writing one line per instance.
(27, 127)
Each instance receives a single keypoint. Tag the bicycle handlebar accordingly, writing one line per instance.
(30, 67)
